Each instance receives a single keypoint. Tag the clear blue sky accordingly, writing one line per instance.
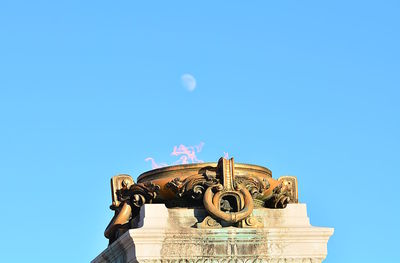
(89, 89)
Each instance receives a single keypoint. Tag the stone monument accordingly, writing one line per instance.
(210, 212)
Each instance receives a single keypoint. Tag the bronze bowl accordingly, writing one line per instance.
(166, 176)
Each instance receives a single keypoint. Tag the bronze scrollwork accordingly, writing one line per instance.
(127, 197)
(193, 186)
(212, 203)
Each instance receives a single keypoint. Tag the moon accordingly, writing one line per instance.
(188, 81)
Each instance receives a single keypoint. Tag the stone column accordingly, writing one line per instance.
(170, 235)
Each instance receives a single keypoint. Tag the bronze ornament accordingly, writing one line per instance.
(127, 198)
(227, 191)
(228, 201)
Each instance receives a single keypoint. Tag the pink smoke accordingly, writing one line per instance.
(186, 154)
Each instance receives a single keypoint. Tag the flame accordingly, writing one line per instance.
(189, 153)
(155, 165)
(186, 154)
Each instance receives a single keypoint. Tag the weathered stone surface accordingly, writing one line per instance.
(170, 235)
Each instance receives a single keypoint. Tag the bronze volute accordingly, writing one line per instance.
(228, 201)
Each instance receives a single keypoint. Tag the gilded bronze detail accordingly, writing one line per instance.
(193, 186)
(289, 185)
(228, 201)
(127, 198)
(228, 192)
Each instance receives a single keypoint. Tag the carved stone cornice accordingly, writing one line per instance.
(236, 260)
(168, 235)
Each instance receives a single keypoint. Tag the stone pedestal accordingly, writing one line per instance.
(170, 235)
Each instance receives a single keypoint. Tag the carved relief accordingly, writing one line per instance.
(289, 184)
(254, 185)
(254, 259)
(193, 186)
(283, 191)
